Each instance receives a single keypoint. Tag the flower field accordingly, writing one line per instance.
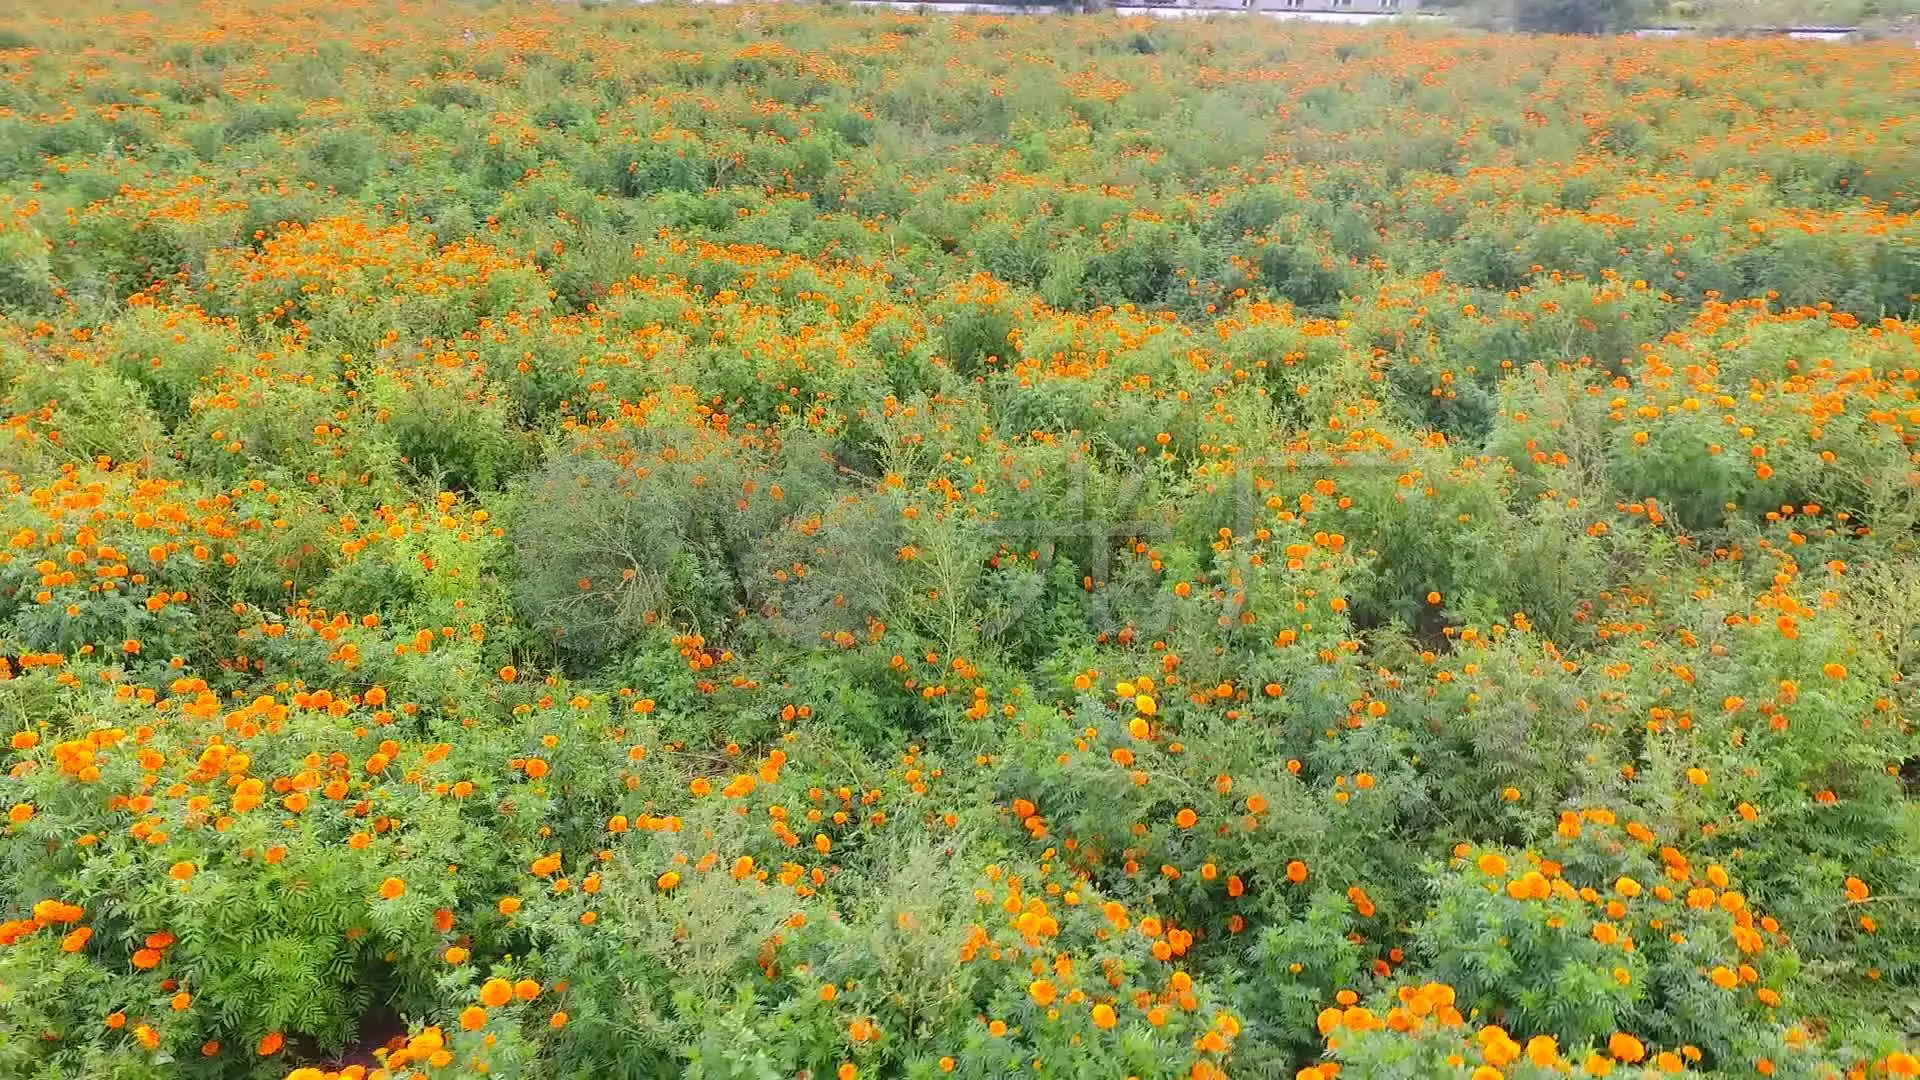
(758, 542)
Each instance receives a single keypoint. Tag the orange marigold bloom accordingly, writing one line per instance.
(495, 993)
(1626, 1047)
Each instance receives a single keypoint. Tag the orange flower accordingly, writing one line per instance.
(495, 993)
(456, 956)
(1186, 818)
(392, 889)
(526, 989)
(473, 1018)
(1042, 991)
(146, 959)
(270, 1044)
(1626, 1047)
(56, 911)
(1104, 1017)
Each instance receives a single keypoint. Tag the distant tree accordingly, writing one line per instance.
(1575, 16)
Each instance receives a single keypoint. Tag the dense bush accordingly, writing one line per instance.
(789, 542)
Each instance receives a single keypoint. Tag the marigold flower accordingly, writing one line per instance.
(1625, 1047)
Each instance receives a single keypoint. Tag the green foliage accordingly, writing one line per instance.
(637, 541)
